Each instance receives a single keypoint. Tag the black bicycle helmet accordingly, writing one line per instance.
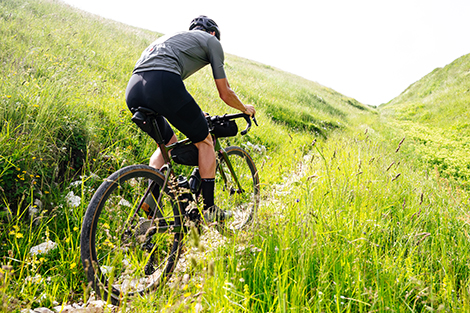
(206, 24)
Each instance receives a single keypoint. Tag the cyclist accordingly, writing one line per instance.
(157, 83)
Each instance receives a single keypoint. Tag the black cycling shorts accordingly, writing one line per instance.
(164, 92)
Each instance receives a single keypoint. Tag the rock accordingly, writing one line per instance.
(43, 248)
(42, 310)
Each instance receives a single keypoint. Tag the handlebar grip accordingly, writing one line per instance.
(248, 124)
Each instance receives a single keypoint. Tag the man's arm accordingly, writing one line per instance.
(230, 97)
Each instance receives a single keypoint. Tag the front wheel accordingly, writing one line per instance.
(237, 187)
(123, 250)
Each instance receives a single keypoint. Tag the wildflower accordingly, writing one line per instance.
(187, 294)
(73, 265)
(72, 199)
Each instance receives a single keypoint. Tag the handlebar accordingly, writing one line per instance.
(227, 117)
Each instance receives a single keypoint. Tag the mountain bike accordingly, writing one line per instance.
(128, 249)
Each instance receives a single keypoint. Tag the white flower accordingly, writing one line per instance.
(72, 199)
(124, 202)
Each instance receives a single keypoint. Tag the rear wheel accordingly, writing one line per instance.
(237, 187)
(123, 250)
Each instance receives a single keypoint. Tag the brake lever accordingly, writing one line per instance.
(248, 124)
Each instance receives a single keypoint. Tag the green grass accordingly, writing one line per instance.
(356, 222)
(434, 114)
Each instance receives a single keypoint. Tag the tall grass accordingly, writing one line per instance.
(351, 229)
(64, 127)
(347, 224)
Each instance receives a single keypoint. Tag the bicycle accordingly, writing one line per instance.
(126, 250)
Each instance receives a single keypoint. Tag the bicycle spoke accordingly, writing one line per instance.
(237, 187)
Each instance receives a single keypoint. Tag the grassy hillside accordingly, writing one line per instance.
(434, 113)
(62, 97)
(347, 223)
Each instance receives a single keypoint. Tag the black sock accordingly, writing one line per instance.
(207, 189)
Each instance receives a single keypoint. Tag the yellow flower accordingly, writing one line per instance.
(19, 235)
(187, 294)
(73, 265)
(75, 228)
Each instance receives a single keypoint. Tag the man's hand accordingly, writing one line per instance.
(250, 110)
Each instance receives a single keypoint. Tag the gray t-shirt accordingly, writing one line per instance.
(183, 53)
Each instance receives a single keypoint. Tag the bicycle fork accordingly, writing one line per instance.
(223, 154)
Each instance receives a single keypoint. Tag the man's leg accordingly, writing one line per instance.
(207, 165)
(156, 160)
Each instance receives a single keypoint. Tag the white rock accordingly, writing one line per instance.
(42, 310)
(43, 248)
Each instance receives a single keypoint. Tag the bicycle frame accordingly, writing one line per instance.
(167, 168)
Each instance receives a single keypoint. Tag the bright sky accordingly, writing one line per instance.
(371, 50)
